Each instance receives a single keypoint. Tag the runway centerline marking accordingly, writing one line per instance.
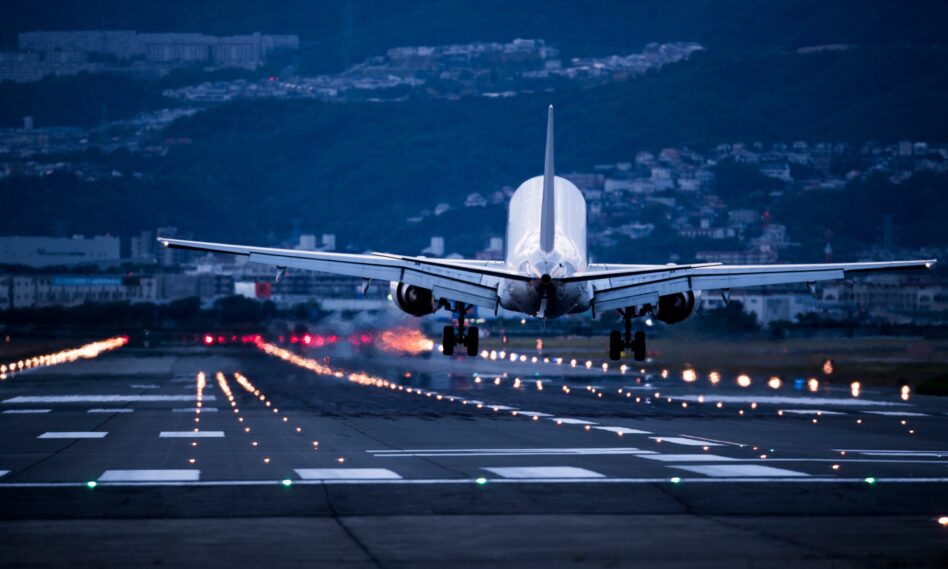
(624, 430)
(25, 411)
(191, 434)
(732, 443)
(571, 421)
(102, 398)
(784, 400)
(347, 474)
(686, 442)
(145, 386)
(73, 435)
(812, 412)
(163, 475)
(688, 457)
(511, 452)
(898, 413)
(535, 472)
(740, 470)
(115, 410)
(194, 409)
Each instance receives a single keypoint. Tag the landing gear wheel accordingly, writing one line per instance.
(638, 346)
(448, 341)
(615, 345)
(471, 341)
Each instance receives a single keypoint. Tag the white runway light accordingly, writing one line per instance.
(150, 476)
(191, 434)
(544, 472)
(740, 470)
(346, 474)
(73, 435)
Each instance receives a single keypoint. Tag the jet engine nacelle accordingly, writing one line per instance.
(414, 300)
(674, 308)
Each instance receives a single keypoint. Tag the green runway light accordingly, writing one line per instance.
(92, 484)
(481, 481)
(286, 482)
(870, 480)
(675, 479)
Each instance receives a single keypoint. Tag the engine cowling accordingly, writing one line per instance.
(674, 308)
(412, 299)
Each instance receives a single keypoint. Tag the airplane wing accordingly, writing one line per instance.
(470, 282)
(621, 287)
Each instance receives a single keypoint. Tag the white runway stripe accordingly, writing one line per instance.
(145, 386)
(544, 472)
(812, 412)
(569, 421)
(740, 470)
(73, 435)
(194, 409)
(346, 474)
(113, 410)
(897, 413)
(4, 473)
(103, 398)
(191, 434)
(623, 430)
(25, 411)
(711, 398)
(688, 457)
(533, 414)
(898, 453)
(514, 452)
(502, 408)
(150, 476)
(685, 442)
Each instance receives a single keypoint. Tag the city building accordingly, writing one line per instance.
(55, 251)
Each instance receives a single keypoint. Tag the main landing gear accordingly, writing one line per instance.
(618, 342)
(451, 338)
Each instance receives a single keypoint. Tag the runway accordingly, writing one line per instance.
(287, 456)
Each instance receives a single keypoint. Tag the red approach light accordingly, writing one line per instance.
(208, 339)
(332, 339)
(221, 339)
(282, 339)
(366, 338)
(307, 339)
(294, 340)
(319, 341)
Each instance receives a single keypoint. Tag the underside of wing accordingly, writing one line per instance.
(472, 283)
(645, 287)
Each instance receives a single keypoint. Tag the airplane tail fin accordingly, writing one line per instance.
(547, 208)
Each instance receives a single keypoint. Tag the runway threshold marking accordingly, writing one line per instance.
(156, 475)
(347, 474)
(191, 434)
(624, 430)
(686, 442)
(25, 411)
(114, 410)
(740, 470)
(73, 435)
(101, 398)
(511, 452)
(539, 472)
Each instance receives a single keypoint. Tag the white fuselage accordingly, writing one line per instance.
(525, 255)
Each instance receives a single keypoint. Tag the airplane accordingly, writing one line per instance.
(546, 272)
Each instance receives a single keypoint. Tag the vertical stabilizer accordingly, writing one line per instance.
(548, 207)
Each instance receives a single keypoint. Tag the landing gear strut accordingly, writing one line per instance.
(618, 341)
(451, 338)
